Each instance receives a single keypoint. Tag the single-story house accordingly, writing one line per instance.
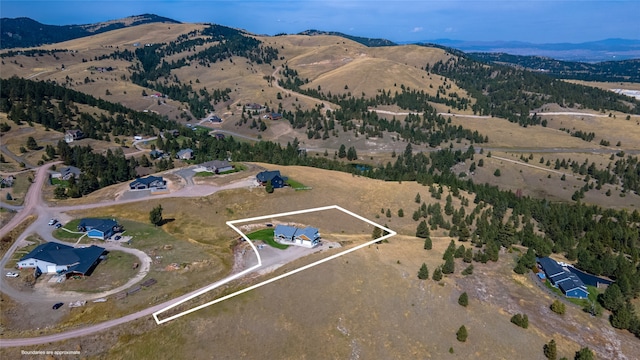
(274, 116)
(72, 135)
(185, 154)
(155, 154)
(255, 107)
(568, 282)
(7, 181)
(149, 182)
(308, 237)
(214, 119)
(52, 258)
(172, 132)
(215, 166)
(67, 173)
(277, 180)
(99, 228)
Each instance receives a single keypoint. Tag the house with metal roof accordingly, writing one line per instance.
(99, 228)
(570, 284)
(52, 258)
(290, 235)
(149, 182)
(277, 180)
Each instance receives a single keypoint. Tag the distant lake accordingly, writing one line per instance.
(589, 279)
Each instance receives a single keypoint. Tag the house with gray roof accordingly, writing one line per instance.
(149, 182)
(99, 228)
(185, 154)
(52, 258)
(67, 173)
(290, 235)
(215, 166)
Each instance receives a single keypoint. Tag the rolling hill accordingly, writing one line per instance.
(25, 32)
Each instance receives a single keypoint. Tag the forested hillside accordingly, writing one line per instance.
(610, 71)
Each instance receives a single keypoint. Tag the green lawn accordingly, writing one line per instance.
(296, 185)
(266, 235)
(203, 174)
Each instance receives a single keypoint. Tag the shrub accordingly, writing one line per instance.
(461, 334)
(558, 307)
(521, 320)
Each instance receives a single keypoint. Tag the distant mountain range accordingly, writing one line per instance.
(593, 51)
(26, 32)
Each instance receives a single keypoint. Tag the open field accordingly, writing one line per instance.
(369, 304)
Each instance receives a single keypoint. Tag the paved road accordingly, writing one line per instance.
(15, 157)
(35, 205)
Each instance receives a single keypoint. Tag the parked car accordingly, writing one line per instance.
(52, 222)
(57, 306)
(12, 274)
(117, 237)
(58, 225)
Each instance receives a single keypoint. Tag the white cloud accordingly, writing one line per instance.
(449, 30)
(417, 29)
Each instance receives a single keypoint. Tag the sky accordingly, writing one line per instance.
(537, 21)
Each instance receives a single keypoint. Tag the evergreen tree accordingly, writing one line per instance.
(32, 144)
(461, 334)
(400, 213)
(155, 215)
(468, 255)
(423, 273)
(342, 152)
(612, 298)
(377, 233)
(621, 318)
(427, 243)
(584, 354)
(449, 266)
(468, 270)
(437, 274)
(417, 199)
(422, 231)
(550, 351)
(463, 299)
(268, 187)
(451, 249)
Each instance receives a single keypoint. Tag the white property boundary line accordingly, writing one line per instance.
(231, 224)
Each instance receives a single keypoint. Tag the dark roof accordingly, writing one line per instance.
(269, 175)
(572, 282)
(147, 180)
(550, 266)
(70, 170)
(88, 256)
(79, 260)
(103, 225)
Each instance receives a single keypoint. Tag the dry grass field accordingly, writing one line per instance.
(366, 305)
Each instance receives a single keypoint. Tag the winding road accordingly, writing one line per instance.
(35, 205)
